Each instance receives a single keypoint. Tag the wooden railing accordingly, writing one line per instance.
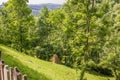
(9, 73)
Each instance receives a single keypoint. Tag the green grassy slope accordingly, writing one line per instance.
(41, 70)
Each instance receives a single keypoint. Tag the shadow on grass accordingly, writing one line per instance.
(99, 74)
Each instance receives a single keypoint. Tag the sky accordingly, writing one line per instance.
(40, 1)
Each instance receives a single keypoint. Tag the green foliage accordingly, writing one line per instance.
(83, 33)
(17, 22)
(37, 69)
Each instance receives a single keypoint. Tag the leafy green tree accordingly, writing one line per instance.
(83, 33)
(57, 39)
(20, 20)
(43, 31)
(81, 25)
(4, 36)
(111, 49)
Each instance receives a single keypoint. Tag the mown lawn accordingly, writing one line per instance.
(37, 69)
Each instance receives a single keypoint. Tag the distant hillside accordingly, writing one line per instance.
(37, 7)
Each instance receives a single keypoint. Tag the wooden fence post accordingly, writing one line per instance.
(19, 76)
(11, 73)
(24, 77)
(6, 74)
(1, 70)
(16, 74)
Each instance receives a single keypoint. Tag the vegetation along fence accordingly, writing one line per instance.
(9, 73)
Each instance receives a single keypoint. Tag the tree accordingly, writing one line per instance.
(111, 54)
(4, 37)
(20, 20)
(81, 25)
(43, 31)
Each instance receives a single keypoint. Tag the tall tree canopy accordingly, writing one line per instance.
(85, 34)
(19, 22)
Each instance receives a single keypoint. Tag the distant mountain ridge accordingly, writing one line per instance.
(49, 5)
(37, 7)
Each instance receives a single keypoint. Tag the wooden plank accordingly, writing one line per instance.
(1, 70)
(19, 76)
(10, 73)
(24, 77)
(15, 73)
(6, 72)
(8, 76)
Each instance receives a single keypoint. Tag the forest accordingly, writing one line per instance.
(84, 34)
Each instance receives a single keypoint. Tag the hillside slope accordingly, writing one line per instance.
(41, 70)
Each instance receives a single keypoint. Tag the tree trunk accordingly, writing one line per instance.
(87, 51)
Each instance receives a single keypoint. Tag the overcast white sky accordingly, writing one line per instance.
(40, 1)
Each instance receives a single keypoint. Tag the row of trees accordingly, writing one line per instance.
(83, 33)
(16, 24)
